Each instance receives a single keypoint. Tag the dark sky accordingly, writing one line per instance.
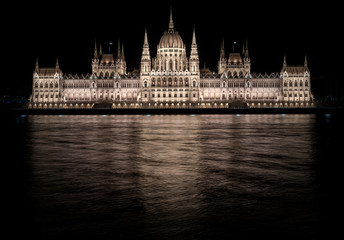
(68, 31)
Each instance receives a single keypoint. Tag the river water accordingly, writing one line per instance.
(173, 176)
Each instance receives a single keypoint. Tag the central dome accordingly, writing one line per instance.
(171, 39)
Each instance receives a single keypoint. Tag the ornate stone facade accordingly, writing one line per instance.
(171, 79)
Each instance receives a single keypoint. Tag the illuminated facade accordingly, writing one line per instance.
(171, 79)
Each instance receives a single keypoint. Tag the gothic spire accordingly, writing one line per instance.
(194, 38)
(246, 50)
(194, 51)
(37, 66)
(306, 63)
(122, 53)
(57, 64)
(222, 50)
(285, 61)
(100, 50)
(95, 55)
(145, 42)
(118, 50)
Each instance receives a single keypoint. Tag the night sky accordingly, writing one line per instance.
(61, 30)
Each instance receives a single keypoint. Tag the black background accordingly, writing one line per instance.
(67, 31)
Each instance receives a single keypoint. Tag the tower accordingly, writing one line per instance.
(145, 71)
(194, 59)
(222, 61)
(194, 70)
(121, 66)
(145, 58)
(246, 58)
(95, 60)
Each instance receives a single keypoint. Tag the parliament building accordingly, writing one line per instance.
(171, 79)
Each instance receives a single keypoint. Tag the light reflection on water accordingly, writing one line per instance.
(175, 176)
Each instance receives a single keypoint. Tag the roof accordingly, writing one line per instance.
(171, 39)
(107, 59)
(48, 71)
(295, 69)
(234, 57)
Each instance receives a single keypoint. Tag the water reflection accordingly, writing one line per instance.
(190, 177)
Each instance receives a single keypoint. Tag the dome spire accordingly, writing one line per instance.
(171, 25)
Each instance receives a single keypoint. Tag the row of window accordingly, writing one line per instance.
(242, 84)
(46, 96)
(296, 84)
(170, 50)
(47, 85)
(175, 89)
(100, 85)
(295, 95)
(170, 95)
(169, 83)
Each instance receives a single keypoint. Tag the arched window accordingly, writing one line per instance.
(51, 85)
(36, 85)
(224, 84)
(171, 65)
(46, 85)
(306, 83)
(145, 84)
(285, 84)
(117, 85)
(56, 85)
(301, 84)
(194, 84)
(295, 83)
(290, 84)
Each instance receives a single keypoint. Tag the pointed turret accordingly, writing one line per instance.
(222, 50)
(118, 50)
(194, 38)
(194, 60)
(37, 66)
(145, 58)
(194, 45)
(95, 54)
(100, 50)
(221, 67)
(285, 61)
(306, 63)
(145, 41)
(122, 53)
(57, 65)
(246, 56)
(247, 60)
